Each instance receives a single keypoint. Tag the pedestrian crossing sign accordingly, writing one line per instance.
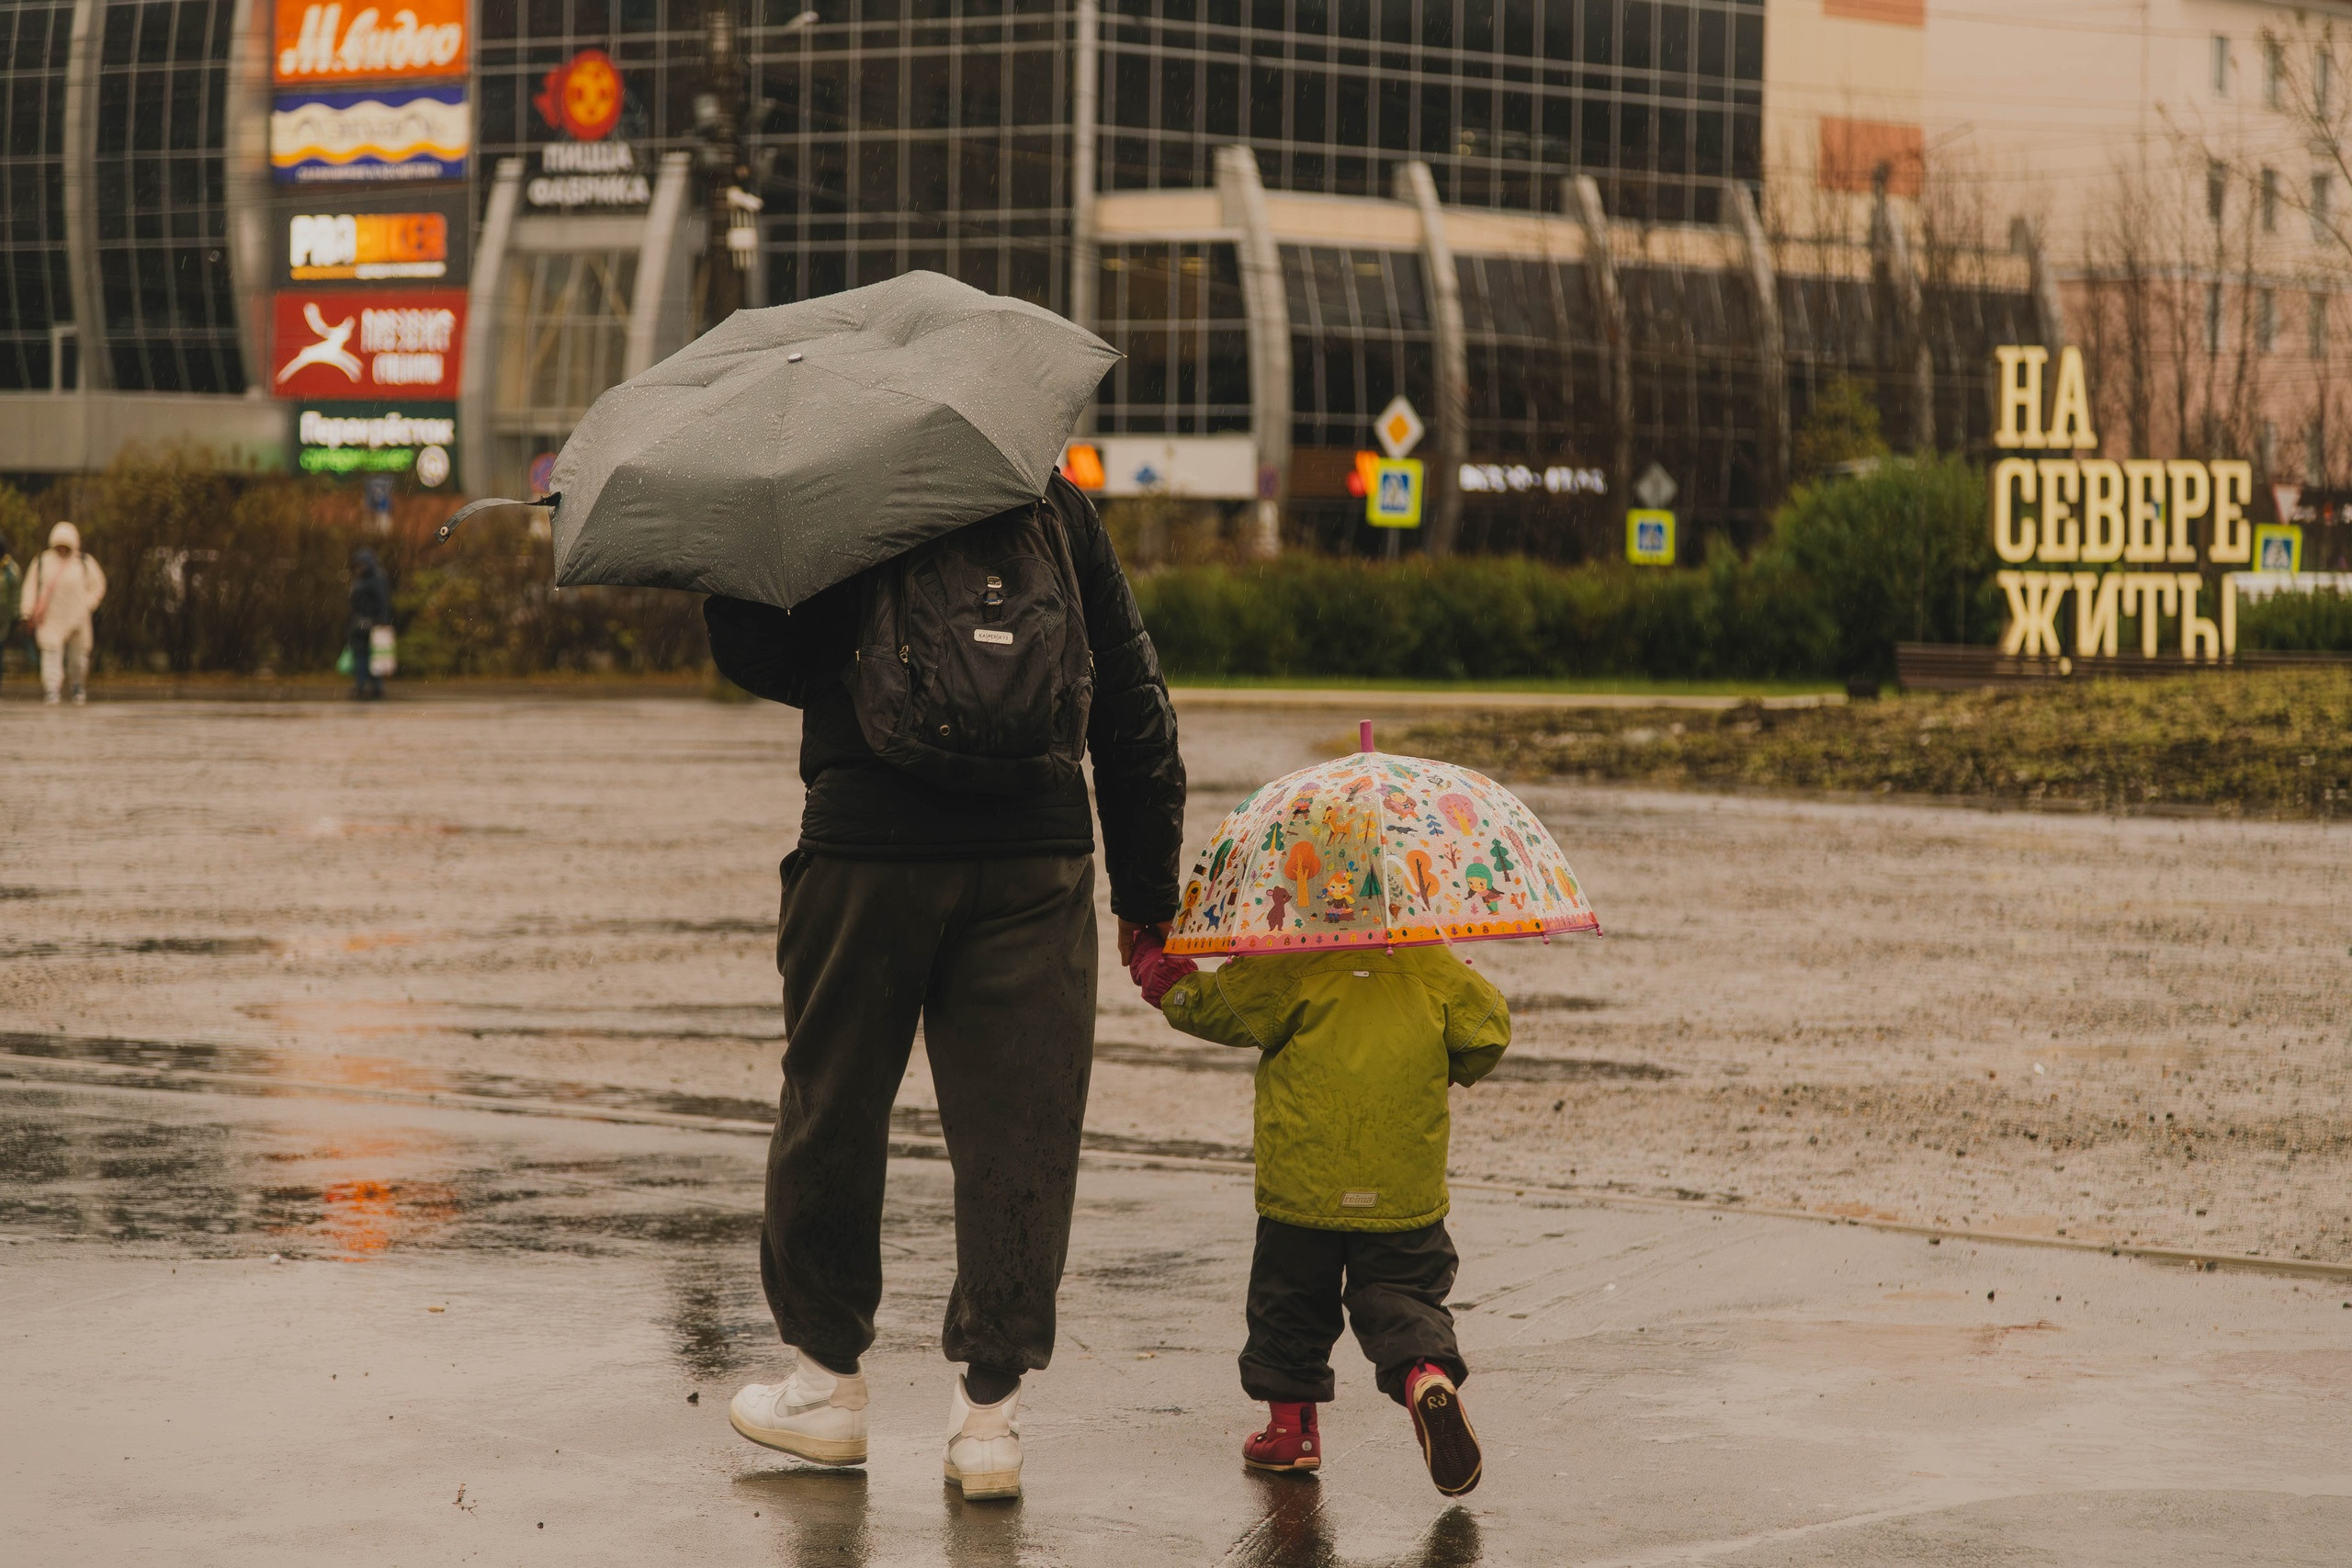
(1649, 537)
(1392, 498)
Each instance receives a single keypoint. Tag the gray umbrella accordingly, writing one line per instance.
(788, 448)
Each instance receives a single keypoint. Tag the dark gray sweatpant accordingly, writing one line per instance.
(996, 958)
(1392, 1284)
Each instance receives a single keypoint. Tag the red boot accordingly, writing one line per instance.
(1291, 1441)
(1448, 1445)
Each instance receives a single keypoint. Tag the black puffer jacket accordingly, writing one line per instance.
(860, 807)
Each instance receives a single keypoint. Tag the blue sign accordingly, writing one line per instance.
(370, 136)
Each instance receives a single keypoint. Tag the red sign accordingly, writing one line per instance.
(582, 97)
(353, 41)
(367, 344)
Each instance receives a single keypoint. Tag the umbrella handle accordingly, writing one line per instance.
(442, 536)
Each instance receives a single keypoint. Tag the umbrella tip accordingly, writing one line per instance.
(1363, 735)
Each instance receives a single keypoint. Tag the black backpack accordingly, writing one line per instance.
(973, 670)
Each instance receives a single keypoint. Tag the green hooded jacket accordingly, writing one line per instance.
(1359, 1047)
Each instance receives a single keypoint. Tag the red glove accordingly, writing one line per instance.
(1155, 969)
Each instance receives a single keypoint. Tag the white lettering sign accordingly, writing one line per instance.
(588, 173)
(369, 46)
(374, 432)
(1510, 479)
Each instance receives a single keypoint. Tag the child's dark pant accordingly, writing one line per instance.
(1392, 1284)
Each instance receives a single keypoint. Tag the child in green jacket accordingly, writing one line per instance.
(1357, 1049)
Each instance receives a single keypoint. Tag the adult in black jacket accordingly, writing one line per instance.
(973, 914)
(371, 607)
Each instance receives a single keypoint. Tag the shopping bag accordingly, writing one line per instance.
(381, 660)
(342, 661)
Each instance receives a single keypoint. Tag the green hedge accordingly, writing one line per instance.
(2298, 622)
(1854, 566)
(216, 569)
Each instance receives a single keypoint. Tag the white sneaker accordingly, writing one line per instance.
(813, 1414)
(984, 1445)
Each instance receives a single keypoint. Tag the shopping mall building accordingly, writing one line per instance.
(1586, 239)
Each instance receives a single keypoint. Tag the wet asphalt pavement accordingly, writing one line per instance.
(255, 1319)
(323, 1287)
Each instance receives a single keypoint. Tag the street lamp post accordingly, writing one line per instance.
(730, 208)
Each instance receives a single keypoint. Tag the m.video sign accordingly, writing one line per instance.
(333, 41)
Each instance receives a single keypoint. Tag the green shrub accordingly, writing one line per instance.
(2298, 622)
(1898, 554)
(1854, 566)
(221, 569)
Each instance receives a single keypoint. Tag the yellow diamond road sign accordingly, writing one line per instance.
(1400, 427)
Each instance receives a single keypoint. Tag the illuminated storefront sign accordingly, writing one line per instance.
(370, 135)
(1198, 468)
(582, 97)
(416, 439)
(359, 345)
(588, 173)
(366, 247)
(2087, 511)
(350, 42)
(1519, 479)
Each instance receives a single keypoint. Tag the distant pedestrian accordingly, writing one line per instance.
(62, 592)
(12, 585)
(371, 607)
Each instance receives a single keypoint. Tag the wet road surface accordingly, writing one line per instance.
(470, 1006)
(256, 1318)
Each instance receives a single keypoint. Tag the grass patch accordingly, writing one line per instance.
(2267, 744)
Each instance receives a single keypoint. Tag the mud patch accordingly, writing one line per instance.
(1553, 1001)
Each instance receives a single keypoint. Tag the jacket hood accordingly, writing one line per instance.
(67, 534)
(364, 559)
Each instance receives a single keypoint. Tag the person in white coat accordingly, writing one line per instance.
(62, 590)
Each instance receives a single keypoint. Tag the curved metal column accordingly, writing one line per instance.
(1450, 420)
(1583, 198)
(1086, 90)
(2049, 311)
(81, 218)
(1908, 360)
(1771, 342)
(657, 307)
(1243, 199)
(245, 151)
(478, 379)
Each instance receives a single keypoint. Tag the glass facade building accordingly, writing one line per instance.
(1663, 101)
(36, 287)
(160, 196)
(1534, 219)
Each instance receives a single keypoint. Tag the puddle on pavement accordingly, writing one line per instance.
(297, 1171)
(165, 1058)
(760, 928)
(174, 946)
(312, 1178)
